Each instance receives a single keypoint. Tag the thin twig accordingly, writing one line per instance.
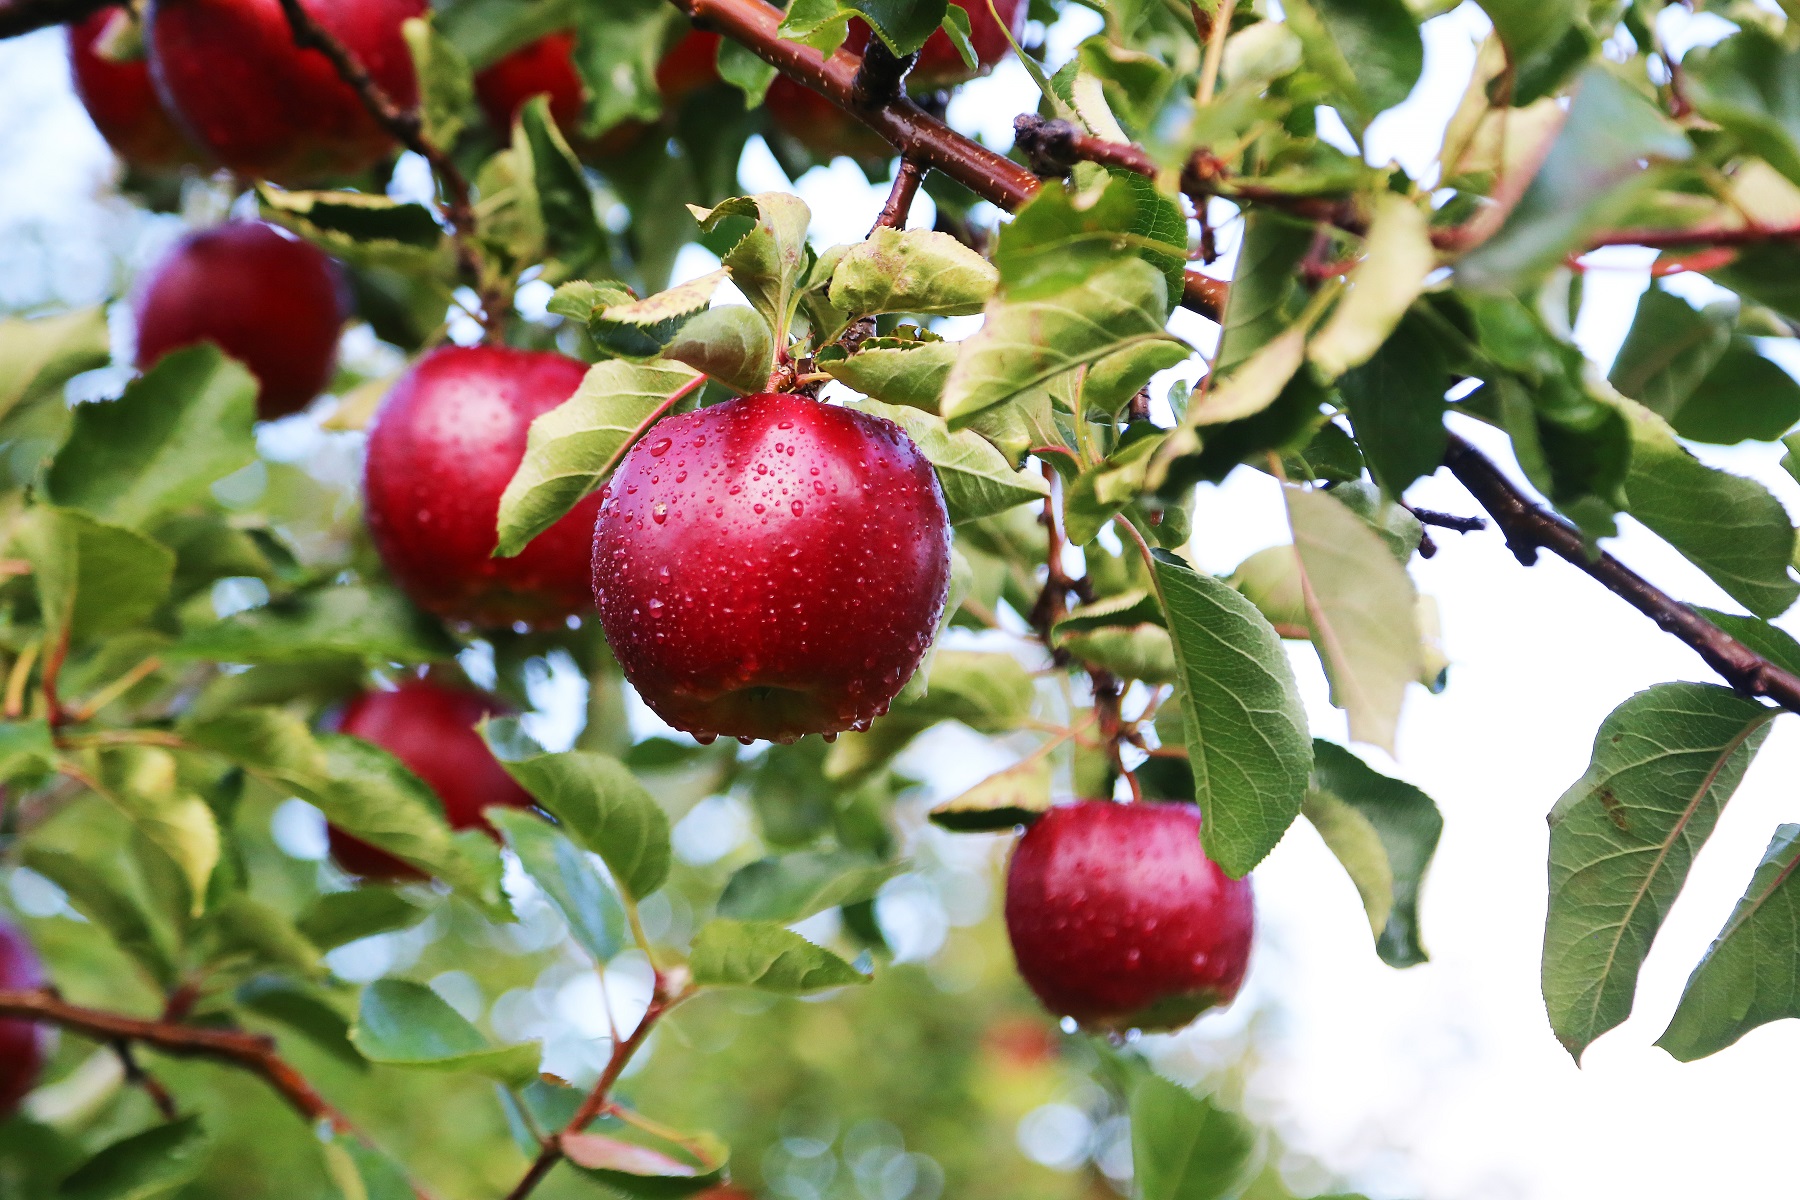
(25, 16)
(907, 177)
(407, 127)
(140, 1078)
(1528, 529)
(1215, 54)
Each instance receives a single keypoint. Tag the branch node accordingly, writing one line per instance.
(1048, 145)
(880, 76)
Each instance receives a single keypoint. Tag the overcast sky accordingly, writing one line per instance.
(1440, 1082)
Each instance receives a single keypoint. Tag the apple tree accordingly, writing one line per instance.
(311, 894)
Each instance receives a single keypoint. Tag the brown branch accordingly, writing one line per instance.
(140, 1078)
(407, 127)
(1529, 528)
(662, 1000)
(900, 197)
(913, 132)
(1053, 147)
(24, 16)
(253, 1052)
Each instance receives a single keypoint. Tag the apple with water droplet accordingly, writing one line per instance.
(444, 445)
(1119, 920)
(771, 567)
(231, 74)
(271, 301)
(430, 727)
(23, 1044)
(120, 99)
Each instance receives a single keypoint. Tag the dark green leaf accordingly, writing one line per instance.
(339, 918)
(1746, 83)
(304, 1010)
(1370, 50)
(911, 373)
(1396, 403)
(1748, 977)
(1246, 731)
(1187, 1148)
(96, 896)
(243, 927)
(342, 218)
(26, 750)
(446, 85)
(1622, 838)
(617, 47)
(1384, 831)
(346, 620)
(92, 578)
(1018, 795)
(903, 24)
(571, 226)
(731, 344)
(143, 1165)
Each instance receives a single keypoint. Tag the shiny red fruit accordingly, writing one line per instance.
(272, 302)
(430, 728)
(940, 64)
(771, 567)
(23, 1044)
(1119, 919)
(691, 64)
(546, 67)
(444, 445)
(230, 72)
(122, 102)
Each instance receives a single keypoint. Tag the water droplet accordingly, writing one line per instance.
(797, 507)
(830, 737)
(662, 572)
(660, 447)
(659, 512)
(706, 739)
(757, 507)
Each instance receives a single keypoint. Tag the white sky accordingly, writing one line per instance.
(1440, 1082)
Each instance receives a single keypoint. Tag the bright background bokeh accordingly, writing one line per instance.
(1440, 1082)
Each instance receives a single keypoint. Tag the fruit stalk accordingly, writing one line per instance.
(408, 128)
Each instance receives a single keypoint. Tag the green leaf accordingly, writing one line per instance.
(143, 783)
(242, 925)
(617, 47)
(821, 24)
(361, 1172)
(339, 918)
(1397, 255)
(572, 230)
(904, 25)
(768, 262)
(143, 1165)
(1384, 831)
(1669, 350)
(1748, 976)
(731, 344)
(912, 271)
(177, 430)
(1245, 729)
(27, 750)
(1370, 51)
(988, 691)
(604, 808)
(1728, 526)
(795, 886)
(38, 356)
(1018, 795)
(1396, 403)
(1362, 609)
(446, 85)
(303, 1009)
(763, 955)
(91, 578)
(741, 68)
(95, 896)
(1143, 652)
(401, 1024)
(1064, 234)
(911, 373)
(1622, 838)
(1528, 27)
(572, 449)
(1184, 1147)
(1265, 299)
(630, 1169)
(563, 871)
(1746, 84)
(976, 478)
(1025, 344)
(345, 221)
(343, 620)
(1593, 174)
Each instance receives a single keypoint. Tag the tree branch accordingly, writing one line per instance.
(253, 1052)
(1529, 529)
(25, 16)
(662, 1000)
(913, 132)
(900, 197)
(408, 128)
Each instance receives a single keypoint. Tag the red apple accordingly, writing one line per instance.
(444, 445)
(939, 64)
(545, 67)
(820, 125)
(230, 72)
(691, 64)
(430, 728)
(1119, 919)
(23, 1044)
(121, 100)
(271, 301)
(771, 567)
